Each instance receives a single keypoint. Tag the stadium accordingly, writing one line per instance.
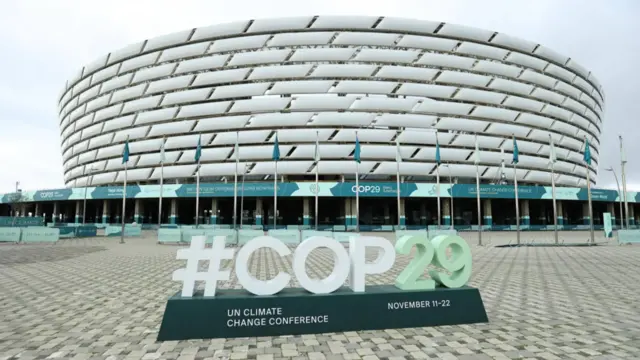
(397, 85)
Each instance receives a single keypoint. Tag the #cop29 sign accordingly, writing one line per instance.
(271, 307)
(349, 264)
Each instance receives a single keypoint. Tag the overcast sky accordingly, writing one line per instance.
(43, 42)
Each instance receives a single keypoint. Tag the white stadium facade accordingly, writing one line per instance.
(387, 78)
(394, 83)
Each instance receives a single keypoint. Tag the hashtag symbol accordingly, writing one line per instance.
(194, 254)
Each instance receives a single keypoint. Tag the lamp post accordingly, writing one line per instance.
(619, 197)
(623, 162)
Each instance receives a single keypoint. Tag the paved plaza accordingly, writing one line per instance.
(98, 299)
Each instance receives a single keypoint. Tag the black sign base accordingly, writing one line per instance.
(294, 311)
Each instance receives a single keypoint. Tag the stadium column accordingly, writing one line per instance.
(611, 208)
(403, 212)
(423, 213)
(306, 218)
(585, 213)
(54, 214)
(446, 212)
(350, 212)
(106, 211)
(560, 212)
(173, 218)
(78, 212)
(632, 215)
(258, 211)
(525, 218)
(486, 209)
(36, 211)
(213, 215)
(138, 214)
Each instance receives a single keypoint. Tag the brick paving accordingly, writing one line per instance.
(97, 299)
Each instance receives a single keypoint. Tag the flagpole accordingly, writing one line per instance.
(316, 203)
(515, 185)
(275, 196)
(161, 183)
(197, 158)
(453, 226)
(357, 199)
(197, 194)
(357, 187)
(438, 195)
(515, 188)
(555, 208)
(623, 162)
(438, 181)
(235, 186)
(479, 207)
(398, 159)
(161, 190)
(125, 159)
(590, 208)
(276, 157)
(478, 194)
(124, 203)
(587, 162)
(317, 159)
(244, 172)
(552, 160)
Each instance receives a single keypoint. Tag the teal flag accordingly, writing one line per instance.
(516, 153)
(199, 149)
(437, 151)
(276, 150)
(125, 153)
(587, 152)
(356, 153)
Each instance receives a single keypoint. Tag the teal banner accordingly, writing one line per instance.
(608, 230)
(52, 195)
(322, 189)
(497, 191)
(114, 192)
(373, 189)
(226, 190)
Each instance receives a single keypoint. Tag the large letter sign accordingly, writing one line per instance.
(271, 307)
(348, 265)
